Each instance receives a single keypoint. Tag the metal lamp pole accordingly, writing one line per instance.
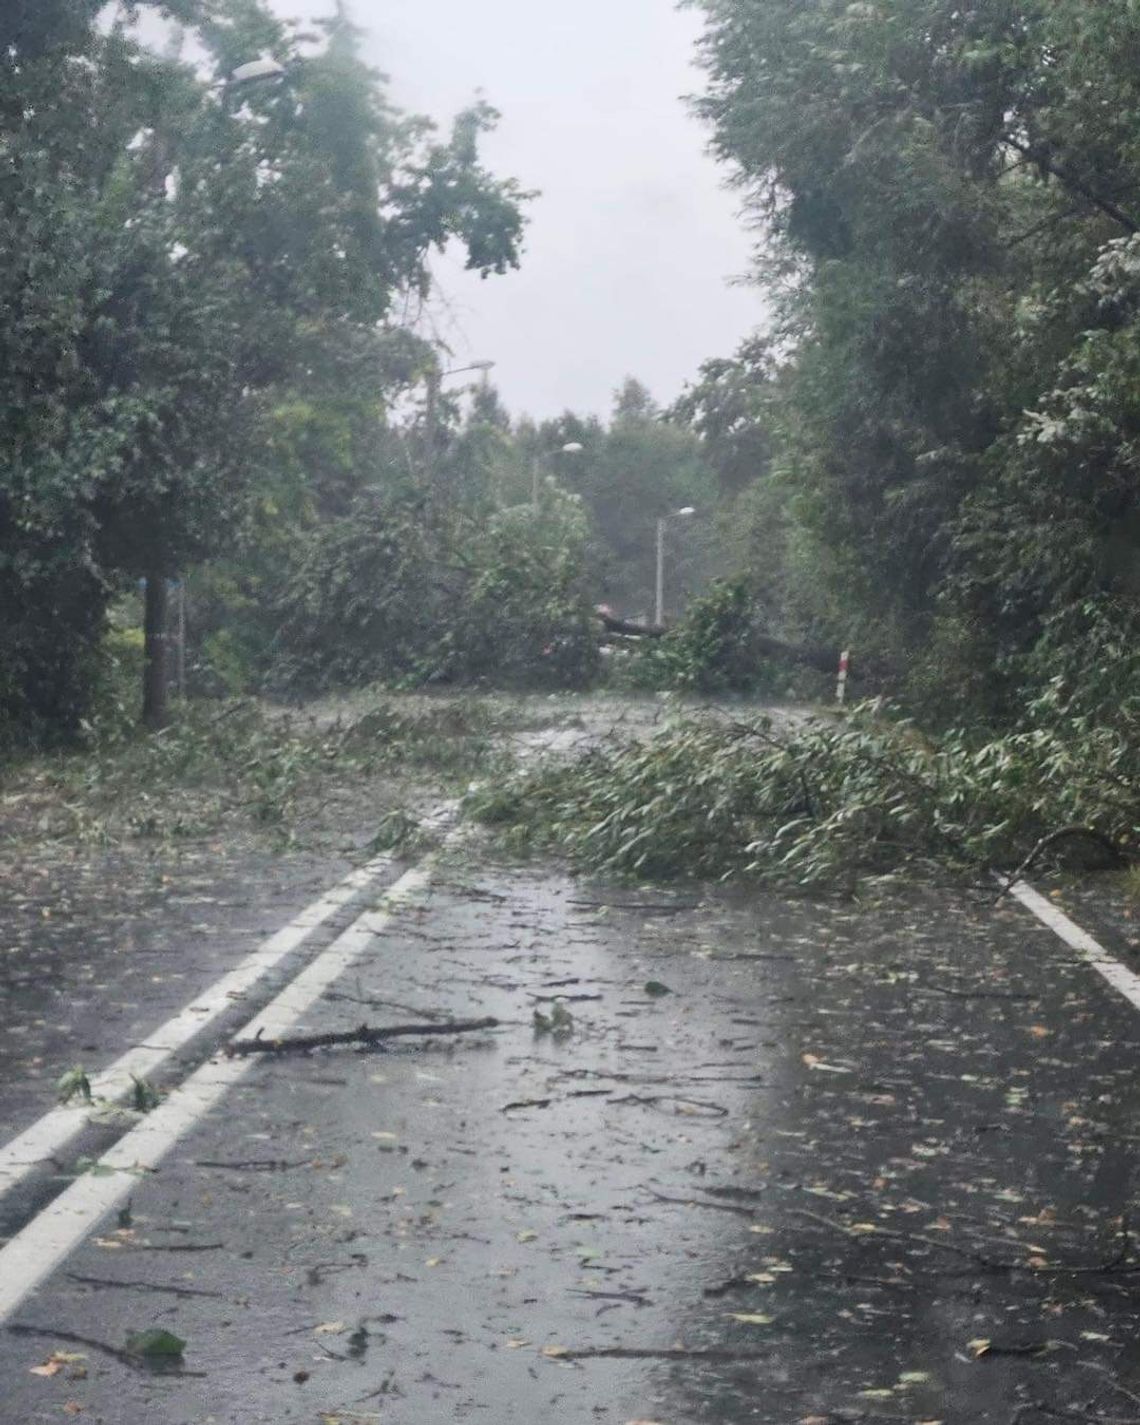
(435, 381)
(570, 448)
(662, 525)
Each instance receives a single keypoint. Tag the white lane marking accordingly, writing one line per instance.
(49, 1135)
(34, 1253)
(1119, 976)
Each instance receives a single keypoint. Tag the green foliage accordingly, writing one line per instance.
(823, 804)
(405, 594)
(74, 1084)
(728, 408)
(712, 649)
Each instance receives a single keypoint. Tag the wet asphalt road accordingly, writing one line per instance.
(97, 950)
(855, 1164)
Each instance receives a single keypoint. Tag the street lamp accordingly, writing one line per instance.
(486, 367)
(435, 380)
(256, 69)
(687, 513)
(571, 447)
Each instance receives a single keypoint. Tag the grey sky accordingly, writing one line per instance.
(634, 238)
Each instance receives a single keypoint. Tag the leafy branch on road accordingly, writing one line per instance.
(242, 763)
(825, 803)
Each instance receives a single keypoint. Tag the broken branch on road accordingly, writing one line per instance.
(365, 1035)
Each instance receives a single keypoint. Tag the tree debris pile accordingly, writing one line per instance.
(826, 803)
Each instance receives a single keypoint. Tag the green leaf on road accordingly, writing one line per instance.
(74, 1083)
(156, 1344)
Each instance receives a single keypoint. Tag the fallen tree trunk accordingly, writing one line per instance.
(303, 1043)
(612, 624)
(823, 659)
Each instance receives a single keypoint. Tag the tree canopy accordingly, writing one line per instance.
(946, 200)
(178, 257)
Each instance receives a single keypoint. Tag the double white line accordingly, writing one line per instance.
(34, 1253)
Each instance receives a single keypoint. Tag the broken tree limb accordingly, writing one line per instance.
(825, 660)
(612, 624)
(366, 1035)
(1089, 833)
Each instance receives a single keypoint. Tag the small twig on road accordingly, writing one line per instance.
(665, 1353)
(365, 1035)
(256, 1165)
(740, 1210)
(125, 1358)
(749, 955)
(165, 1289)
(701, 1108)
(368, 1003)
(972, 994)
(988, 1264)
(635, 1298)
(177, 1247)
(642, 907)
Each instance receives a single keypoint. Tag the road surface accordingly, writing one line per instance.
(789, 1161)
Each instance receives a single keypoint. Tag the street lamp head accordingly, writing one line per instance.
(686, 512)
(483, 366)
(255, 70)
(573, 448)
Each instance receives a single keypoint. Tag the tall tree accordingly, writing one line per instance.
(928, 175)
(209, 250)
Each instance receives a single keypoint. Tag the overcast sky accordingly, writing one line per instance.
(634, 239)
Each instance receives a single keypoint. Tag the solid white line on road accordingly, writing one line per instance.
(34, 1253)
(1119, 976)
(49, 1135)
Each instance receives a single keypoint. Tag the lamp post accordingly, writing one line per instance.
(571, 447)
(435, 381)
(662, 525)
(156, 615)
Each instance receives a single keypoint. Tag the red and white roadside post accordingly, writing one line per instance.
(844, 671)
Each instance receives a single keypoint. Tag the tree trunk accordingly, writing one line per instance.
(155, 700)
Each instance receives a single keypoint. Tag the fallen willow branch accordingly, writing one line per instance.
(303, 1043)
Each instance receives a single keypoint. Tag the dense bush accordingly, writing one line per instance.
(712, 649)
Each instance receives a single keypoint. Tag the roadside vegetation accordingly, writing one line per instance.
(243, 768)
